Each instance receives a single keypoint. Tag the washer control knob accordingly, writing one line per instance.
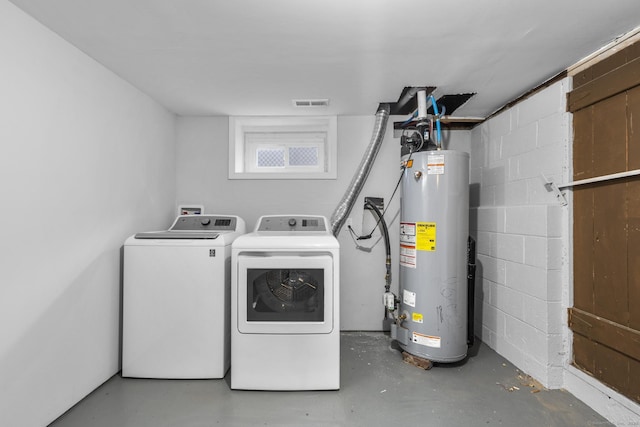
(205, 221)
(292, 222)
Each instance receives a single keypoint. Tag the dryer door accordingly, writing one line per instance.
(285, 293)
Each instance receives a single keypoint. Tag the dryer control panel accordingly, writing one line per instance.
(292, 223)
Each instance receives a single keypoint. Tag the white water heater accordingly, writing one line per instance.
(431, 317)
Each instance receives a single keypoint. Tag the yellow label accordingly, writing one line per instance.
(416, 317)
(426, 236)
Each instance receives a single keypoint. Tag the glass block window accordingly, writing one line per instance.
(282, 147)
(270, 157)
(303, 156)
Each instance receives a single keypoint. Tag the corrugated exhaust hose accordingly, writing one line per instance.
(343, 209)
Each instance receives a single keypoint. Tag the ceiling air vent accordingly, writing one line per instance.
(310, 102)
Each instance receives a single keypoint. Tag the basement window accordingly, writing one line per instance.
(282, 147)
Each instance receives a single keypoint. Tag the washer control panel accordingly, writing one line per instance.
(204, 222)
(292, 223)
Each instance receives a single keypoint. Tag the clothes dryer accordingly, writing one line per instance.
(176, 299)
(285, 329)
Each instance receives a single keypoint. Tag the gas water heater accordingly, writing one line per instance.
(431, 317)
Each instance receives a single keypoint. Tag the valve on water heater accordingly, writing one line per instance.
(389, 301)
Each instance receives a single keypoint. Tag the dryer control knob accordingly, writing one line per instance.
(292, 222)
(205, 221)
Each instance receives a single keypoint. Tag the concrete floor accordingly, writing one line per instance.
(377, 389)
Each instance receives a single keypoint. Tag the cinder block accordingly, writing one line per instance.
(501, 223)
(484, 243)
(555, 349)
(549, 160)
(488, 219)
(516, 193)
(536, 251)
(492, 268)
(487, 195)
(555, 220)
(553, 130)
(536, 313)
(555, 311)
(555, 377)
(486, 335)
(475, 175)
(513, 169)
(554, 286)
(527, 220)
(494, 175)
(489, 317)
(487, 291)
(509, 247)
(494, 154)
(549, 101)
(510, 301)
(543, 252)
(500, 125)
(510, 352)
(534, 369)
(515, 330)
(527, 279)
(521, 140)
(555, 253)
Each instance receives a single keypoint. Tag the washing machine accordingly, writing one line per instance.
(285, 328)
(176, 299)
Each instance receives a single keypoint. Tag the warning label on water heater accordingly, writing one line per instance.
(426, 340)
(435, 164)
(426, 236)
(408, 244)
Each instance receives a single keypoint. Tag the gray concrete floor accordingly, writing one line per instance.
(377, 389)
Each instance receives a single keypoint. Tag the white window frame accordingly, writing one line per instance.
(247, 134)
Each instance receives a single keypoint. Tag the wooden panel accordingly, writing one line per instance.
(583, 144)
(613, 335)
(633, 205)
(633, 131)
(582, 78)
(612, 83)
(605, 318)
(583, 354)
(633, 251)
(583, 292)
(610, 136)
(612, 368)
(609, 252)
(607, 365)
(634, 384)
(609, 64)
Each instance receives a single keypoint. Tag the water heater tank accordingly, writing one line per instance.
(434, 228)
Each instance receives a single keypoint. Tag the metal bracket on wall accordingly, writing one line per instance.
(551, 187)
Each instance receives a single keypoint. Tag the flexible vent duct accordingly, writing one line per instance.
(343, 209)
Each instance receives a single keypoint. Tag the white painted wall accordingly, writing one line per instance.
(202, 178)
(85, 161)
(524, 243)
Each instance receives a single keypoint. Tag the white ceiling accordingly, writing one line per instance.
(252, 57)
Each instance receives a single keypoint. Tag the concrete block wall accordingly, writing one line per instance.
(519, 229)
